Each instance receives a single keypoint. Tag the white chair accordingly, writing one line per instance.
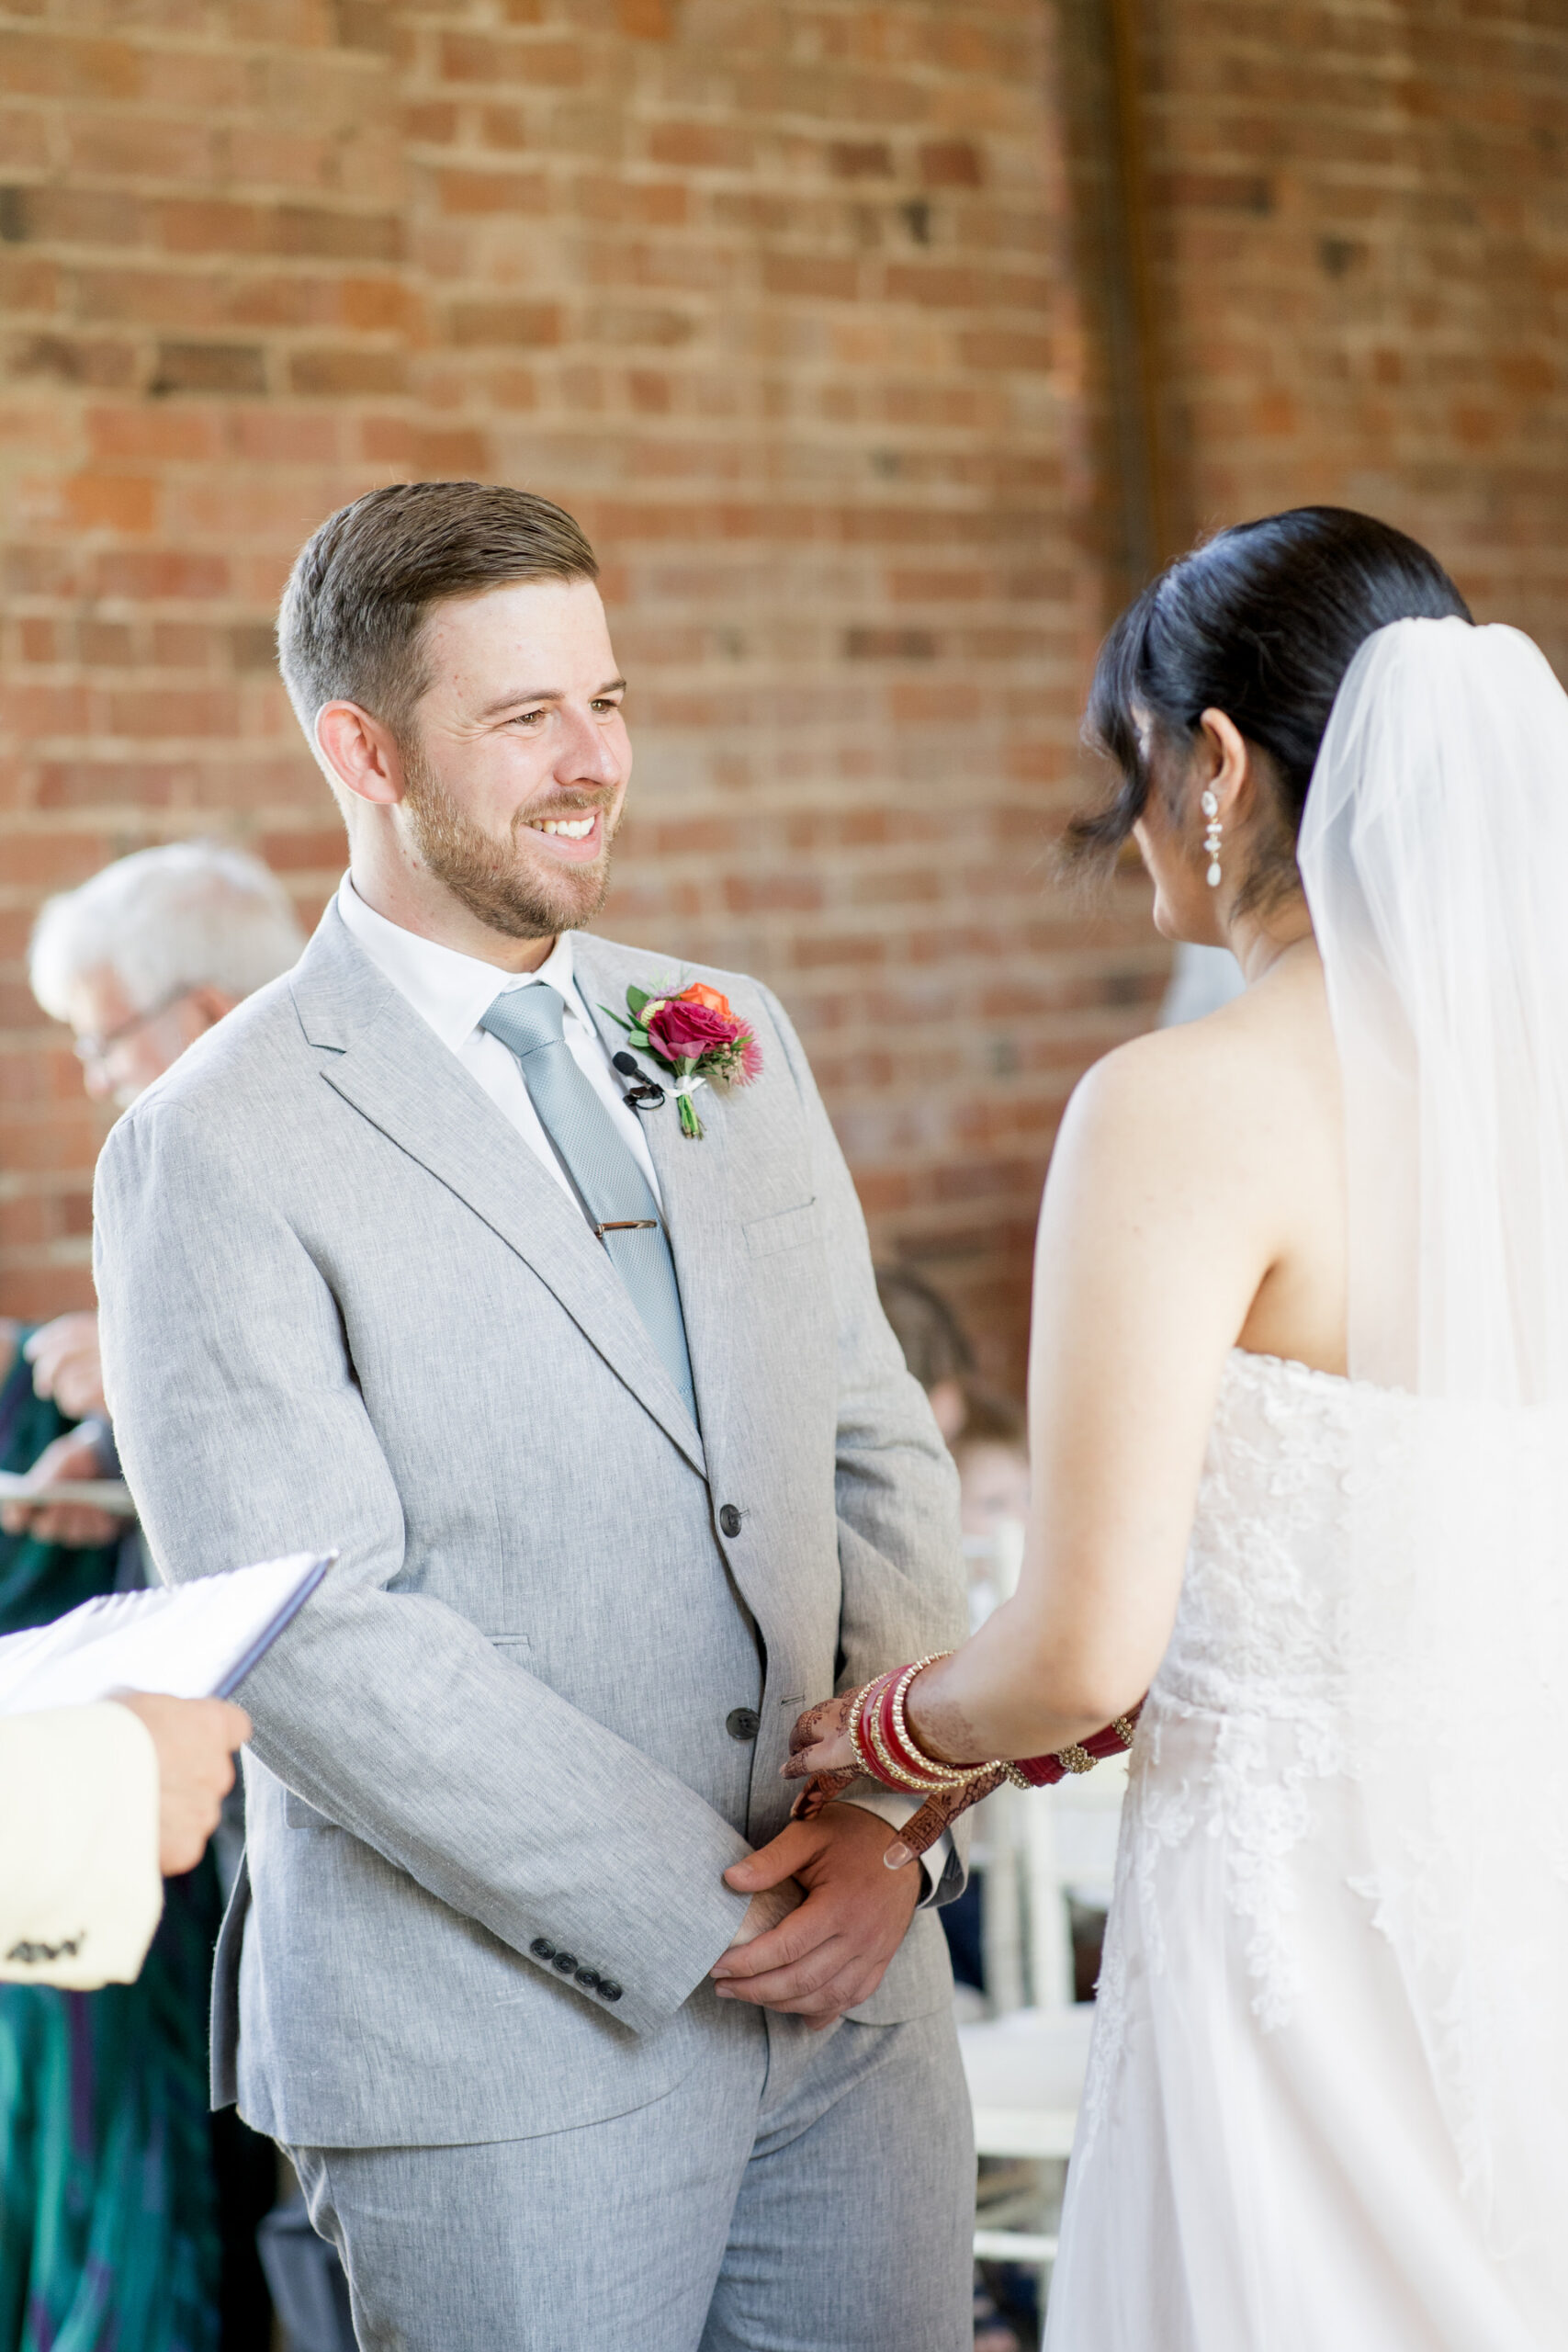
(1025, 2075)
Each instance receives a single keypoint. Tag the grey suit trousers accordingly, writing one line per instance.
(797, 2192)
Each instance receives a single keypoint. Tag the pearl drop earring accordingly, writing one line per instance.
(1211, 808)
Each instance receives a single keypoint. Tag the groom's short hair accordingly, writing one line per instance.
(352, 621)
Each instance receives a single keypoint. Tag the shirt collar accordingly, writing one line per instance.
(448, 989)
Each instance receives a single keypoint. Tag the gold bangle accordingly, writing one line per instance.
(891, 1770)
(942, 1776)
(857, 1740)
(1075, 1760)
(1123, 1730)
(924, 1784)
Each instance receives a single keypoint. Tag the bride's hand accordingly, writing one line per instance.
(820, 1742)
(939, 1813)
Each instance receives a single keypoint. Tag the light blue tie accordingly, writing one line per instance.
(616, 1194)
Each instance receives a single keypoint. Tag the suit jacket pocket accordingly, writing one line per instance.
(786, 1229)
(300, 1815)
(518, 1647)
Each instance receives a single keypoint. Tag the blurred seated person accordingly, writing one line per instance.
(936, 1346)
(141, 960)
(128, 2212)
(992, 1454)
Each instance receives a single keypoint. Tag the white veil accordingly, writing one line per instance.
(1435, 855)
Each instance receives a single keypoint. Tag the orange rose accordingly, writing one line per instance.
(699, 993)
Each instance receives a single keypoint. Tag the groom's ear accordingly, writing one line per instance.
(359, 753)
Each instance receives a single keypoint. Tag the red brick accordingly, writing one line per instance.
(295, 852)
(480, 192)
(169, 571)
(57, 66)
(702, 146)
(344, 373)
(154, 433)
(646, 19)
(859, 159)
(504, 325)
(169, 712)
(951, 162)
(813, 274)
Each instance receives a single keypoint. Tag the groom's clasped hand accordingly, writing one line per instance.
(824, 1920)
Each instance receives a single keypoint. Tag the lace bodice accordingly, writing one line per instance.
(1259, 1625)
(1247, 1715)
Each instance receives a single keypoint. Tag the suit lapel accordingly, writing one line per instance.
(379, 1055)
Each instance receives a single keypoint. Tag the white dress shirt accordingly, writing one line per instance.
(449, 992)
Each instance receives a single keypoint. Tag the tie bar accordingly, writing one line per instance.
(625, 1225)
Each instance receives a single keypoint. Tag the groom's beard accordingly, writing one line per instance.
(504, 882)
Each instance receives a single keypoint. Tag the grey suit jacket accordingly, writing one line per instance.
(343, 1305)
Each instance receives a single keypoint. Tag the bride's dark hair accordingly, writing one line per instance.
(1261, 622)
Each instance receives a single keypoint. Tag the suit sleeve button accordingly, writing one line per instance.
(743, 1723)
(542, 1948)
(609, 1989)
(729, 1519)
(565, 1964)
(587, 1978)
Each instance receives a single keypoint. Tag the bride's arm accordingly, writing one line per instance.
(1160, 1221)
(1170, 1197)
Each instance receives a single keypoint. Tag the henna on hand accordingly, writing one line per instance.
(939, 1813)
(819, 1790)
(826, 1726)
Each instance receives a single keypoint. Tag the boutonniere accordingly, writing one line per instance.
(695, 1036)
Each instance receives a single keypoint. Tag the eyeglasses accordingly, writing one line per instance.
(89, 1049)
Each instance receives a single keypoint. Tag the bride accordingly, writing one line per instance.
(1299, 1414)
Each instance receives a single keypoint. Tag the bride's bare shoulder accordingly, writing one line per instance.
(1242, 1080)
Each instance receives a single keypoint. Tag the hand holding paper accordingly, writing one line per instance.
(195, 1740)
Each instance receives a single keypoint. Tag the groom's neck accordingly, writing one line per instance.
(412, 898)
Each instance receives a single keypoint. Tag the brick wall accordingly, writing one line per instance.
(1359, 239)
(779, 300)
(815, 312)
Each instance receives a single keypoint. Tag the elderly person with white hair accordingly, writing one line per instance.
(141, 960)
(128, 2210)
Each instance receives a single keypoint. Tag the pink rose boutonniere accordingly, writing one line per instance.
(695, 1036)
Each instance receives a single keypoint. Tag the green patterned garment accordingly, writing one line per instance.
(109, 2220)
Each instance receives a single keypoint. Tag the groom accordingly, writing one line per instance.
(623, 1466)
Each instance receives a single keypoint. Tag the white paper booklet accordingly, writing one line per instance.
(197, 1641)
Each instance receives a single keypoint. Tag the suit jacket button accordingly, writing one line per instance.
(609, 1989)
(589, 1978)
(729, 1519)
(565, 1964)
(743, 1723)
(542, 1948)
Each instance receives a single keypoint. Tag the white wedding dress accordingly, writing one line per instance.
(1261, 2165)
(1327, 2099)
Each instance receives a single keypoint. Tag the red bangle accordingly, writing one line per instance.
(885, 1749)
(888, 1723)
(1044, 1771)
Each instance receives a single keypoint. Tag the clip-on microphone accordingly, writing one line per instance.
(644, 1095)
